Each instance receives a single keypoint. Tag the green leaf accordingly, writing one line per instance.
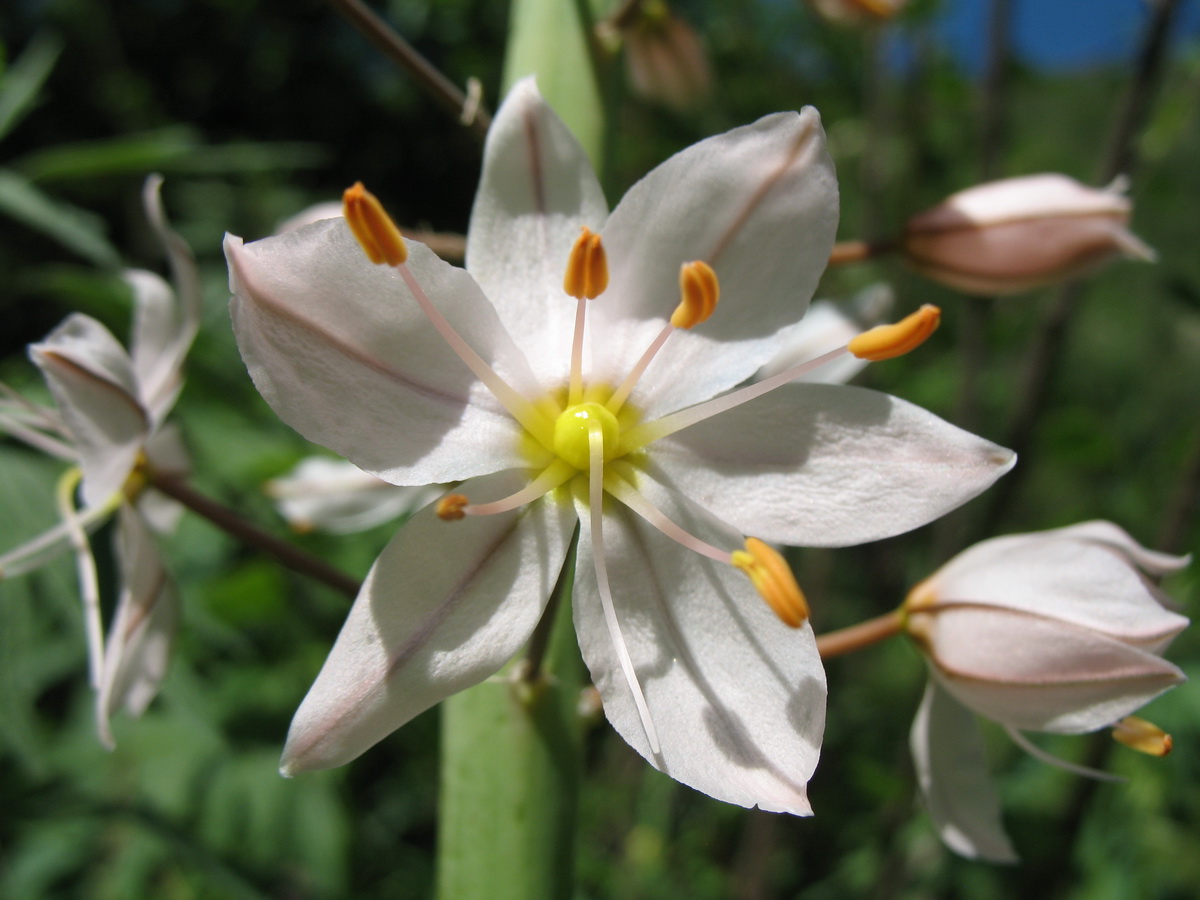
(547, 39)
(176, 149)
(74, 228)
(24, 78)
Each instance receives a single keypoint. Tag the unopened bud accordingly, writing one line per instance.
(856, 12)
(1020, 233)
(666, 59)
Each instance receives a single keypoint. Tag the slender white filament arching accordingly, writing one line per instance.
(47, 545)
(575, 387)
(555, 474)
(632, 497)
(1050, 759)
(36, 439)
(641, 435)
(596, 502)
(617, 400)
(521, 409)
(85, 563)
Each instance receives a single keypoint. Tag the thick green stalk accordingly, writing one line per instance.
(511, 760)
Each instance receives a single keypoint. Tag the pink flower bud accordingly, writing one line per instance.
(856, 12)
(666, 59)
(1058, 631)
(1019, 233)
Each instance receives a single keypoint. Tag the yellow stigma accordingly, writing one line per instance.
(572, 433)
(699, 292)
(373, 227)
(450, 508)
(1143, 736)
(887, 341)
(774, 581)
(587, 267)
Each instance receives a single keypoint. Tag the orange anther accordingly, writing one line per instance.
(1143, 736)
(887, 341)
(587, 267)
(373, 227)
(774, 581)
(699, 292)
(452, 507)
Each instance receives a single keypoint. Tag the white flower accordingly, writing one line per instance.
(1059, 631)
(556, 411)
(111, 407)
(322, 494)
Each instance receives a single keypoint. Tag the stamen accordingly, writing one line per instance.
(85, 564)
(558, 472)
(1051, 760)
(888, 341)
(596, 502)
(585, 279)
(699, 291)
(773, 579)
(373, 227)
(1143, 736)
(587, 267)
(633, 498)
(452, 507)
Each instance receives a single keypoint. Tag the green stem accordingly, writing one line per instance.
(511, 760)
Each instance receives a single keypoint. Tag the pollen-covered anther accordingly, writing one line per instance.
(1143, 736)
(774, 581)
(587, 267)
(373, 227)
(888, 341)
(699, 292)
(452, 507)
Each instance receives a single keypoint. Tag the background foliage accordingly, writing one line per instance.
(253, 110)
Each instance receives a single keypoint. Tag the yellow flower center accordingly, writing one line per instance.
(572, 433)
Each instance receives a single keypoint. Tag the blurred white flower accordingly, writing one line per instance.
(111, 407)
(334, 495)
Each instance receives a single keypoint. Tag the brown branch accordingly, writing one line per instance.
(231, 522)
(864, 634)
(441, 88)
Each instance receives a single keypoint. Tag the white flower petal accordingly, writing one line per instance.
(1150, 561)
(1062, 575)
(951, 765)
(536, 190)
(737, 698)
(824, 327)
(162, 334)
(341, 351)
(143, 627)
(336, 496)
(444, 607)
(92, 379)
(1039, 674)
(828, 466)
(759, 203)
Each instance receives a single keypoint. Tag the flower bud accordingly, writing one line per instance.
(1058, 631)
(1019, 233)
(666, 59)
(856, 12)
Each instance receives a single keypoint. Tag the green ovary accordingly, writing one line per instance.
(572, 431)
